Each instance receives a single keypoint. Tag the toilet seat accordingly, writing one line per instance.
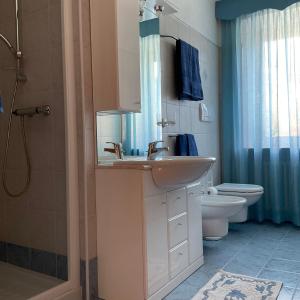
(221, 201)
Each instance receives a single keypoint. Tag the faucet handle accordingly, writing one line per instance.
(112, 143)
(155, 143)
(117, 149)
(116, 145)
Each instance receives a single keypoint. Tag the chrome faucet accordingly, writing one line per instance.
(117, 150)
(153, 151)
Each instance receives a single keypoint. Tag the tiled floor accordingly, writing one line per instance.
(259, 250)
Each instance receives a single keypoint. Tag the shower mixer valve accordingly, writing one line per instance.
(31, 111)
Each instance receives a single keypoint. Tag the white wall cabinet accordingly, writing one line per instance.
(149, 240)
(115, 55)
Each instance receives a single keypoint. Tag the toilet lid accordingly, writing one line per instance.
(239, 188)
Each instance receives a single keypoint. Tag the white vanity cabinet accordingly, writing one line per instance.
(115, 55)
(149, 240)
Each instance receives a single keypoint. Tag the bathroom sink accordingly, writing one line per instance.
(173, 171)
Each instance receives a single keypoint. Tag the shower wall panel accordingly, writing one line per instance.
(36, 220)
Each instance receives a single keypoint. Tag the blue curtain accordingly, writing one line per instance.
(261, 109)
(141, 128)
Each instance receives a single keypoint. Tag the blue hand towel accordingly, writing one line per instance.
(186, 145)
(181, 146)
(192, 146)
(188, 72)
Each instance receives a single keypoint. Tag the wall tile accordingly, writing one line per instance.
(3, 256)
(18, 255)
(185, 119)
(43, 262)
(62, 267)
(187, 113)
(31, 220)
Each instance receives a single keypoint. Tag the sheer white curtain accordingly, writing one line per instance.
(141, 128)
(268, 49)
(267, 108)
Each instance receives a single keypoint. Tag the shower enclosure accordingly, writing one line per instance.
(35, 214)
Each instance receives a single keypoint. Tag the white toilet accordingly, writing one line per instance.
(252, 193)
(216, 211)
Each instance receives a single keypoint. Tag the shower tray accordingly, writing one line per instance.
(20, 284)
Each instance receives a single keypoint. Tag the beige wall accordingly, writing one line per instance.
(186, 114)
(38, 218)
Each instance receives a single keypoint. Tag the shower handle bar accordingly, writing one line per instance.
(31, 111)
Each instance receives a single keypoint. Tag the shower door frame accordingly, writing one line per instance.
(70, 290)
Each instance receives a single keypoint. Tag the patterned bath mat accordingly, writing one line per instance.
(228, 286)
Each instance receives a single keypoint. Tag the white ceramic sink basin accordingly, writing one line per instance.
(173, 171)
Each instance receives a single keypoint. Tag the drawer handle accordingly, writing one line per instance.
(180, 253)
(164, 203)
(178, 198)
(179, 224)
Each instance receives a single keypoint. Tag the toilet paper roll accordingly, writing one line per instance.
(212, 191)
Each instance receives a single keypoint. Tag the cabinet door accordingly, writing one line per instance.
(129, 56)
(195, 224)
(115, 55)
(157, 242)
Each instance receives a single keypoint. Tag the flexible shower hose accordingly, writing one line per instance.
(8, 137)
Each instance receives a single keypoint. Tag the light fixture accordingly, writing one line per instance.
(159, 9)
(142, 5)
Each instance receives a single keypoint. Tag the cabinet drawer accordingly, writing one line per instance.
(178, 259)
(177, 230)
(194, 191)
(176, 203)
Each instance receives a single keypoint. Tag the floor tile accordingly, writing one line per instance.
(246, 251)
(199, 279)
(241, 266)
(284, 265)
(248, 262)
(284, 252)
(183, 292)
(286, 294)
(289, 280)
(296, 295)
(265, 246)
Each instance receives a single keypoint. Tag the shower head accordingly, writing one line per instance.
(7, 43)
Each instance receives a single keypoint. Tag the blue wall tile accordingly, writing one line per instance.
(83, 278)
(93, 264)
(3, 256)
(36, 260)
(43, 262)
(18, 255)
(62, 267)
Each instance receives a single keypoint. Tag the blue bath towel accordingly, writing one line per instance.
(188, 72)
(186, 145)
